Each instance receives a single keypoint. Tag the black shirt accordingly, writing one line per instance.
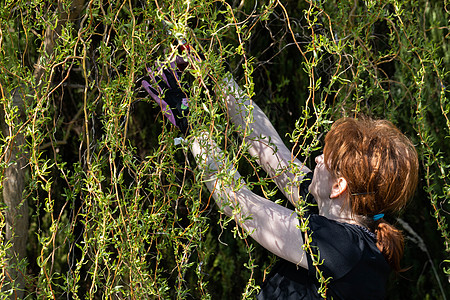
(349, 256)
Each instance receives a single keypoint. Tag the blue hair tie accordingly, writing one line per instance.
(377, 217)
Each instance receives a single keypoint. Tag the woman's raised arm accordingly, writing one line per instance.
(273, 226)
(264, 141)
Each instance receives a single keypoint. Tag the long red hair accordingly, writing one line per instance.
(380, 165)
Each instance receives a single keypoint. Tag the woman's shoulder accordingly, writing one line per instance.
(340, 246)
(351, 238)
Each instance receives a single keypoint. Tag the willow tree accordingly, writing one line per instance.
(99, 201)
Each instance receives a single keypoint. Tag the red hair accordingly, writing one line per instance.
(380, 165)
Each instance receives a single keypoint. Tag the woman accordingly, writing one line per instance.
(368, 168)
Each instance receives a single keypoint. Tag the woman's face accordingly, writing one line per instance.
(322, 181)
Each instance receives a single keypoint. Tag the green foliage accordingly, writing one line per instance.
(117, 210)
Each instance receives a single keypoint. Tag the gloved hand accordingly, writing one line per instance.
(167, 92)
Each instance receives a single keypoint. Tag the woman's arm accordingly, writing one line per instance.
(273, 226)
(265, 143)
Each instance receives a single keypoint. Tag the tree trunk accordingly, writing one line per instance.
(16, 227)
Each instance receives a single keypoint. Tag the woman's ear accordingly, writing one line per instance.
(339, 187)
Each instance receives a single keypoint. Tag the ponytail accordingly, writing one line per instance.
(390, 242)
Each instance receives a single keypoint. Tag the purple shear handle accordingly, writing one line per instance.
(163, 104)
(165, 88)
(165, 108)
